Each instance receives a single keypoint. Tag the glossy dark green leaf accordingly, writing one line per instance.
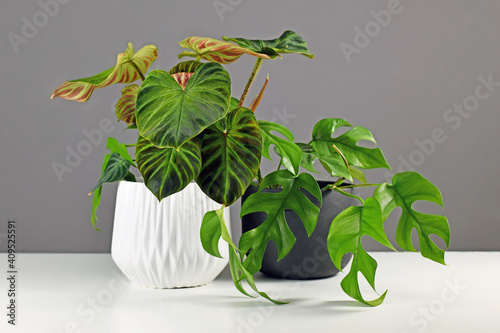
(169, 115)
(290, 153)
(366, 158)
(288, 42)
(231, 153)
(166, 170)
(406, 188)
(274, 204)
(345, 235)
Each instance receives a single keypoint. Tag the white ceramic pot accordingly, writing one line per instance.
(157, 245)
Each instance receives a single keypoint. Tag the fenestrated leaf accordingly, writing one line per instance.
(231, 153)
(116, 169)
(366, 158)
(129, 67)
(274, 204)
(186, 67)
(215, 50)
(345, 235)
(308, 157)
(288, 42)
(166, 170)
(290, 153)
(125, 107)
(169, 115)
(406, 188)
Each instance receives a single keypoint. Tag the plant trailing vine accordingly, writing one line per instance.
(190, 128)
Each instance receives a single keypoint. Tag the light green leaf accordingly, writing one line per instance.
(119, 148)
(215, 50)
(169, 115)
(366, 158)
(125, 107)
(129, 68)
(288, 42)
(290, 153)
(407, 188)
(345, 235)
(231, 153)
(274, 205)
(166, 170)
(357, 174)
(214, 227)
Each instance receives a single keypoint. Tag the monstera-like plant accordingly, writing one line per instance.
(189, 127)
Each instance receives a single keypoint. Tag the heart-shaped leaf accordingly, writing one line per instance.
(406, 188)
(288, 42)
(274, 205)
(129, 67)
(366, 158)
(345, 235)
(125, 107)
(167, 170)
(169, 115)
(215, 50)
(290, 153)
(231, 153)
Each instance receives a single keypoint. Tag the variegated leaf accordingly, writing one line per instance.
(170, 115)
(231, 153)
(125, 107)
(182, 78)
(216, 50)
(129, 67)
(166, 170)
(288, 42)
(186, 66)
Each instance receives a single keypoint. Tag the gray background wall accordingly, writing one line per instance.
(400, 85)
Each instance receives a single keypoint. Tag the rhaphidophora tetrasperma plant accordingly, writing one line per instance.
(190, 128)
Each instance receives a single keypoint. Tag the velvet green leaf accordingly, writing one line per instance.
(231, 153)
(129, 68)
(288, 42)
(215, 50)
(290, 153)
(345, 235)
(186, 67)
(169, 115)
(116, 169)
(274, 204)
(166, 170)
(125, 107)
(406, 188)
(366, 158)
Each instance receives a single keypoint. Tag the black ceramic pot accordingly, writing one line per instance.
(309, 258)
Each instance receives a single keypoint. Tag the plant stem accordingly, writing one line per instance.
(259, 176)
(348, 194)
(255, 70)
(359, 185)
(279, 165)
(131, 145)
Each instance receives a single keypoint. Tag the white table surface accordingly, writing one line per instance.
(86, 293)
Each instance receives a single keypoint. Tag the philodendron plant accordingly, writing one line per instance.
(190, 128)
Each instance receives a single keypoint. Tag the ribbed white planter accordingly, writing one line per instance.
(157, 245)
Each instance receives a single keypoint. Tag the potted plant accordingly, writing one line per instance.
(189, 128)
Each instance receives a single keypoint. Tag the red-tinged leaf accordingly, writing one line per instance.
(125, 107)
(215, 50)
(129, 67)
(182, 78)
